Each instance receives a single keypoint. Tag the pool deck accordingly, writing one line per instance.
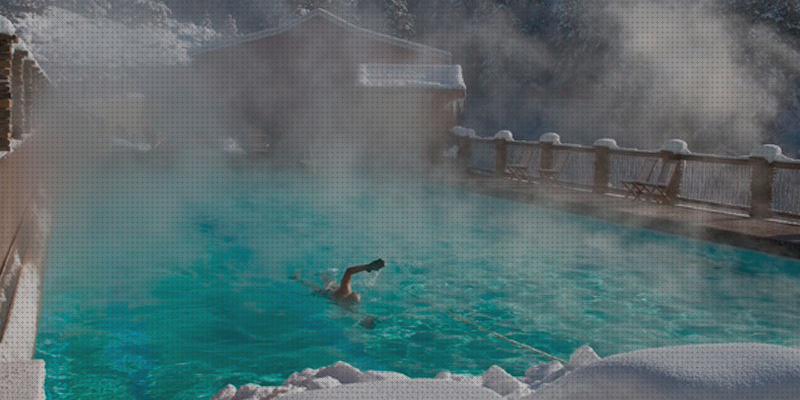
(780, 237)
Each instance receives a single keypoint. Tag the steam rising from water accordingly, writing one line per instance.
(639, 71)
(658, 70)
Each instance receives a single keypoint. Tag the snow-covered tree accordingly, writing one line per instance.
(344, 8)
(229, 26)
(139, 11)
(206, 21)
(13, 7)
(400, 20)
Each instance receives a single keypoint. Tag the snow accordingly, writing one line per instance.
(461, 131)
(544, 373)
(326, 382)
(307, 15)
(709, 372)
(20, 46)
(416, 389)
(6, 27)
(769, 152)
(605, 142)
(675, 146)
(74, 48)
(411, 75)
(385, 375)
(504, 135)
(582, 357)
(342, 372)
(550, 137)
(225, 393)
(501, 382)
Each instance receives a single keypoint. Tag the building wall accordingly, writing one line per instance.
(300, 87)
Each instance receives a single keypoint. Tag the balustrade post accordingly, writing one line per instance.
(500, 156)
(17, 92)
(546, 155)
(464, 151)
(762, 176)
(501, 140)
(28, 84)
(7, 40)
(674, 187)
(602, 165)
(761, 179)
(546, 144)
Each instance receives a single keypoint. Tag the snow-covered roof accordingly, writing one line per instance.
(318, 13)
(411, 76)
(6, 27)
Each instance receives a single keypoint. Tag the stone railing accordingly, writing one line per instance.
(21, 81)
(763, 184)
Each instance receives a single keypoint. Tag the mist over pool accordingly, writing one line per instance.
(174, 281)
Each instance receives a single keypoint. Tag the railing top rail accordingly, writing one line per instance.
(574, 147)
(786, 164)
(525, 143)
(713, 158)
(633, 152)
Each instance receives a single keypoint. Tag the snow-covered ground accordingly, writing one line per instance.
(743, 371)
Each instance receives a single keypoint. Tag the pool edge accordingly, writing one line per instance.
(768, 236)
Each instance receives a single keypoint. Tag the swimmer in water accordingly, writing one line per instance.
(344, 294)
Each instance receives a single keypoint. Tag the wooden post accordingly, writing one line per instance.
(500, 152)
(28, 96)
(6, 54)
(761, 178)
(546, 158)
(17, 93)
(602, 169)
(464, 155)
(674, 188)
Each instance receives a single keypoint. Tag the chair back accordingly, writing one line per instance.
(525, 159)
(666, 172)
(646, 170)
(561, 158)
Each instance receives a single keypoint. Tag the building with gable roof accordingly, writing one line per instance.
(321, 81)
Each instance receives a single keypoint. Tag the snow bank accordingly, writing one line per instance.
(709, 372)
(413, 389)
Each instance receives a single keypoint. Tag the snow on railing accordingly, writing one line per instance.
(765, 183)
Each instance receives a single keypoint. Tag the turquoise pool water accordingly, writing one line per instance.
(170, 281)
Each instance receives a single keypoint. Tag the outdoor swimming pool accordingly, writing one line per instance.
(170, 282)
